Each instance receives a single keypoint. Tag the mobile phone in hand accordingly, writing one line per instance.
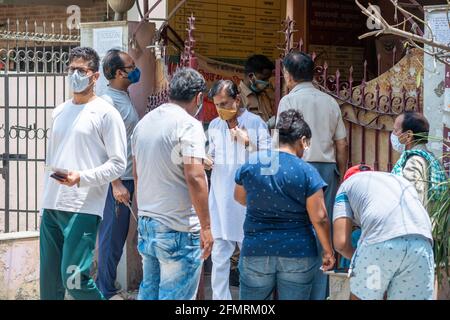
(58, 177)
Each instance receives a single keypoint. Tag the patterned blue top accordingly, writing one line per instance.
(277, 222)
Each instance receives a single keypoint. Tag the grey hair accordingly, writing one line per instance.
(186, 83)
(229, 86)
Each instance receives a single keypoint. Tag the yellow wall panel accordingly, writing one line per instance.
(232, 29)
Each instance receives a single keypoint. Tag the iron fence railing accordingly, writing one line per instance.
(33, 59)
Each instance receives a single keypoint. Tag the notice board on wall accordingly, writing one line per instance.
(334, 27)
(232, 30)
(446, 150)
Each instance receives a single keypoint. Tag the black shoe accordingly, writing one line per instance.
(234, 278)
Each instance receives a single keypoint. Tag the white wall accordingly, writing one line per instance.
(435, 109)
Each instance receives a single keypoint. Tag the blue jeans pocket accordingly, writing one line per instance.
(166, 244)
(294, 265)
(195, 239)
(256, 265)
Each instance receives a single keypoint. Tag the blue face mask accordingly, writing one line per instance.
(134, 75)
(259, 85)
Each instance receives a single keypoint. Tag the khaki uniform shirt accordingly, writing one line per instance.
(259, 104)
(323, 115)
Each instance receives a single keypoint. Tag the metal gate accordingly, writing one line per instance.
(32, 82)
(369, 106)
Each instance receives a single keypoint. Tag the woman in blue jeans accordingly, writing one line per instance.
(285, 212)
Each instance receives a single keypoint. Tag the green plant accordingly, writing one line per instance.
(439, 210)
(438, 207)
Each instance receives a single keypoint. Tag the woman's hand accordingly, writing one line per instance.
(328, 261)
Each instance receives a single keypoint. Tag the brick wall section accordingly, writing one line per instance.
(94, 12)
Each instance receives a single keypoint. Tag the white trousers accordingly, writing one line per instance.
(220, 256)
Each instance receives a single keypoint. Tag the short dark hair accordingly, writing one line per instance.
(257, 64)
(186, 83)
(112, 62)
(299, 65)
(292, 127)
(418, 124)
(229, 86)
(87, 54)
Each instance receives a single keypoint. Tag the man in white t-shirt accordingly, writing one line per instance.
(86, 151)
(168, 147)
(394, 254)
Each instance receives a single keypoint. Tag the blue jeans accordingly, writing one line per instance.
(112, 236)
(292, 277)
(171, 262)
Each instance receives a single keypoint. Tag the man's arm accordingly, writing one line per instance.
(342, 236)
(120, 192)
(342, 155)
(416, 172)
(198, 189)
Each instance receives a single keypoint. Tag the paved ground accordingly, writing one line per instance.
(208, 292)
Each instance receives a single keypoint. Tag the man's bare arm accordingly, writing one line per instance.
(342, 237)
(198, 190)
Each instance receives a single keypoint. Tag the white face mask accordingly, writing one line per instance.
(77, 82)
(199, 106)
(199, 109)
(396, 144)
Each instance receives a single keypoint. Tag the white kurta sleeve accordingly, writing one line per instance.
(264, 138)
(211, 152)
(282, 106)
(114, 137)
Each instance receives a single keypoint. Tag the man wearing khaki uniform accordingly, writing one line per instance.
(329, 150)
(257, 94)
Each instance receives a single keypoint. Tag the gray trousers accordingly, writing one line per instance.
(330, 174)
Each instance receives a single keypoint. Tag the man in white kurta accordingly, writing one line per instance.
(232, 137)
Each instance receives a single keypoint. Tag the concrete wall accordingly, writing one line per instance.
(437, 113)
(95, 10)
(19, 266)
